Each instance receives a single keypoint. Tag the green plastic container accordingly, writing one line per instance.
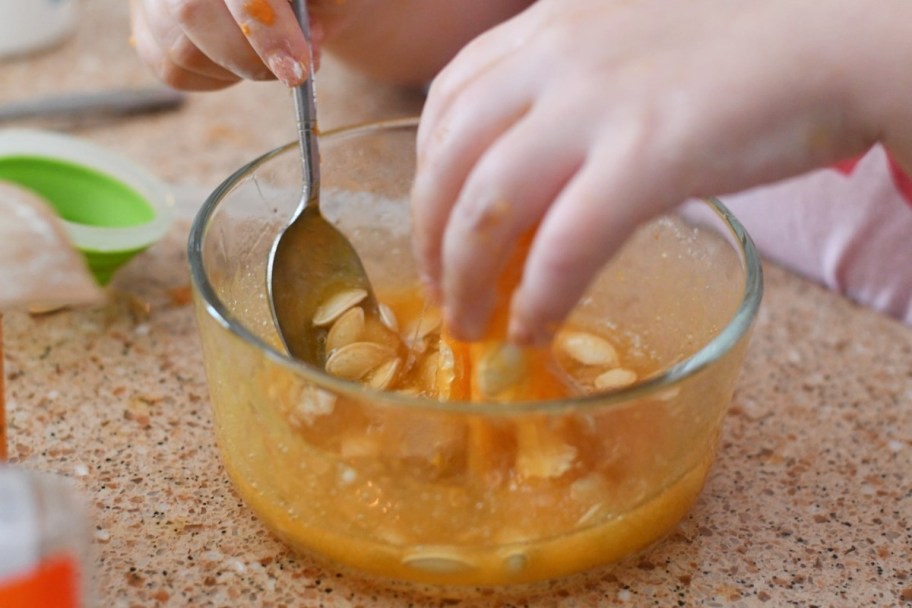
(111, 208)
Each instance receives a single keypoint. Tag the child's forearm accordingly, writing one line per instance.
(881, 71)
(408, 41)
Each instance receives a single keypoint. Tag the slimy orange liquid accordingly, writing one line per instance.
(456, 497)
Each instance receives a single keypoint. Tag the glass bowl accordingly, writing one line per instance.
(459, 493)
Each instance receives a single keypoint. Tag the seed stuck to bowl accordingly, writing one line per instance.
(588, 349)
(614, 379)
(437, 561)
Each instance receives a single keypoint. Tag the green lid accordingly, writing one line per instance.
(111, 209)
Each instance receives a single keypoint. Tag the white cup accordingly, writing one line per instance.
(31, 25)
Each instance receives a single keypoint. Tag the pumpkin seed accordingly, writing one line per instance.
(388, 317)
(445, 371)
(615, 378)
(429, 321)
(588, 349)
(354, 361)
(437, 561)
(502, 366)
(669, 394)
(346, 330)
(335, 306)
(381, 378)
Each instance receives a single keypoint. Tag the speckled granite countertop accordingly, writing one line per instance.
(809, 503)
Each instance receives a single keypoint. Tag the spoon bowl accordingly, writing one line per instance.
(311, 260)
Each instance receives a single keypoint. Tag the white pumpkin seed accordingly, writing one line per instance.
(669, 394)
(346, 330)
(381, 378)
(44, 309)
(445, 372)
(354, 361)
(502, 366)
(437, 561)
(336, 305)
(588, 349)
(429, 321)
(388, 317)
(615, 378)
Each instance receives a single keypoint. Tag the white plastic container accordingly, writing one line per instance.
(44, 541)
(32, 25)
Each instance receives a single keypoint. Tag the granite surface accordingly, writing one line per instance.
(809, 503)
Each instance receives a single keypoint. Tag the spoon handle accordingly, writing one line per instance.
(306, 111)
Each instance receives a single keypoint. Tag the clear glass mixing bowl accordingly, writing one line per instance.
(441, 492)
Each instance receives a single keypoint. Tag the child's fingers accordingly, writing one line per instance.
(211, 27)
(472, 63)
(169, 72)
(586, 225)
(177, 46)
(506, 195)
(272, 30)
(459, 139)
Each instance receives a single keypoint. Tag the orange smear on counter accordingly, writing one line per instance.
(260, 10)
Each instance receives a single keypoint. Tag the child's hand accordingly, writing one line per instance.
(584, 118)
(211, 44)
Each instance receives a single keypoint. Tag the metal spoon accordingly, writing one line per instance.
(311, 260)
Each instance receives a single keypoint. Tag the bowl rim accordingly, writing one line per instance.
(737, 327)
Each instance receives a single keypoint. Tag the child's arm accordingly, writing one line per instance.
(584, 118)
(210, 44)
(407, 41)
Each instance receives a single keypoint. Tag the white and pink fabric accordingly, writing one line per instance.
(848, 227)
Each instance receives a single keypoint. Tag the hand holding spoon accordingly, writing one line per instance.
(311, 261)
